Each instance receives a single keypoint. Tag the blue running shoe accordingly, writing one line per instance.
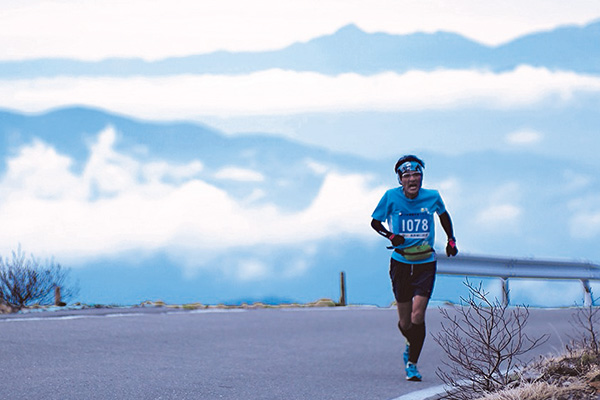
(406, 353)
(412, 373)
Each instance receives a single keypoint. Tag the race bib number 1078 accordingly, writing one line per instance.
(413, 225)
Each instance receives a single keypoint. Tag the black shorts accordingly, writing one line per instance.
(409, 280)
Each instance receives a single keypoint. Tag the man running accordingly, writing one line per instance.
(408, 212)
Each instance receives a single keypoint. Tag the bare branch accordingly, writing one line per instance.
(26, 280)
(482, 340)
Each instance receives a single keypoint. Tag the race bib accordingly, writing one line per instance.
(413, 225)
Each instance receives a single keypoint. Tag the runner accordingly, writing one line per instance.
(408, 213)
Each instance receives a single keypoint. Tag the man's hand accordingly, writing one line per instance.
(451, 249)
(397, 240)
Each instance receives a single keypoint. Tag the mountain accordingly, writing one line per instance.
(70, 131)
(506, 203)
(570, 48)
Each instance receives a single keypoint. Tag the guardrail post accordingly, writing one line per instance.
(588, 301)
(57, 297)
(342, 289)
(505, 298)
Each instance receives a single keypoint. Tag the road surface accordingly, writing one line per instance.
(340, 353)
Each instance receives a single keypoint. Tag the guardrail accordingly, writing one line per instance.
(505, 268)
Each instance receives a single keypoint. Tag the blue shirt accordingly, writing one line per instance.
(411, 218)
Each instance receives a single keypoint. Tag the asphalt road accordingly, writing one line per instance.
(330, 353)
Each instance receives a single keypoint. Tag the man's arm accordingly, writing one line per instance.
(396, 240)
(451, 249)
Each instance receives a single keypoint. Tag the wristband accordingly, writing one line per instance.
(452, 242)
(392, 236)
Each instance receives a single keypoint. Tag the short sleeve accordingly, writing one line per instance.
(440, 206)
(381, 211)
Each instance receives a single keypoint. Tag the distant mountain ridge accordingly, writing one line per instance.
(571, 48)
(484, 182)
(71, 129)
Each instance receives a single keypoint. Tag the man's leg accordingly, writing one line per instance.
(404, 324)
(411, 311)
(423, 286)
(405, 315)
(417, 330)
(411, 323)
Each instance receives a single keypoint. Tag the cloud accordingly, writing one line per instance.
(574, 180)
(158, 29)
(158, 171)
(51, 181)
(317, 167)
(545, 293)
(502, 211)
(103, 209)
(109, 171)
(584, 222)
(252, 270)
(498, 215)
(114, 206)
(278, 92)
(524, 137)
(239, 174)
(585, 225)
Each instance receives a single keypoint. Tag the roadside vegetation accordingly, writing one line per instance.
(485, 342)
(25, 280)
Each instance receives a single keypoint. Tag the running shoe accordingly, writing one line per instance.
(412, 373)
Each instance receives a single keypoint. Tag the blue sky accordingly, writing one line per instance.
(46, 201)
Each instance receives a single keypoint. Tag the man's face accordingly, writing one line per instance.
(411, 183)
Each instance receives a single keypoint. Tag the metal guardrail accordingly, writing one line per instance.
(505, 268)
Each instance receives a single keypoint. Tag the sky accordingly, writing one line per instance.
(157, 29)
(40, 182)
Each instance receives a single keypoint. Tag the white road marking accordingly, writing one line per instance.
(116, 315)
(422, 394)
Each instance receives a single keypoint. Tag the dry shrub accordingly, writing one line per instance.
(474, 340)
(586, 320)
(540, 391)
(26, 280)
(483, 340)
